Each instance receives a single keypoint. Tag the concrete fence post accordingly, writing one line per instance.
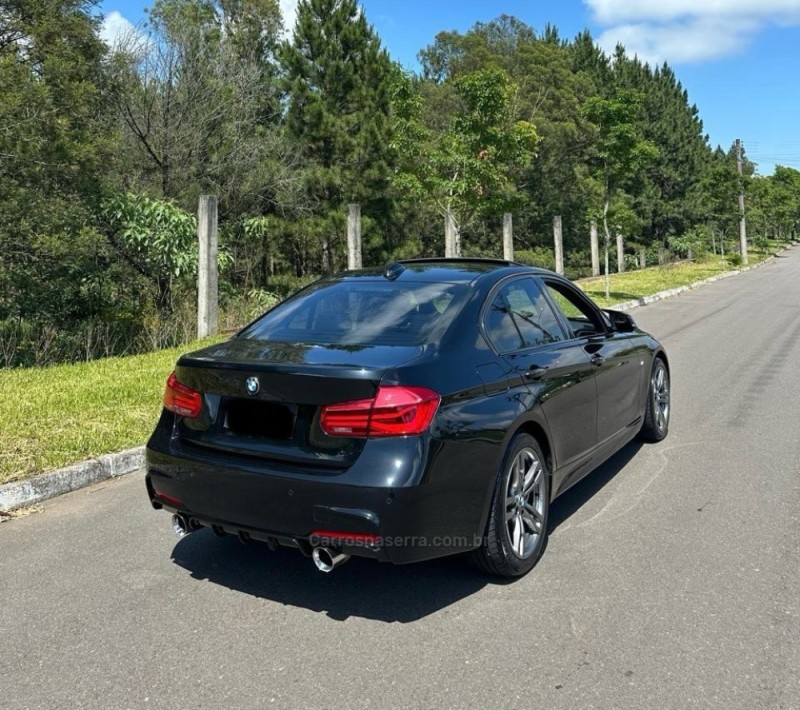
(595, 247)
(354, 236)
(452, 240)
(558, 240)
(207, 268)
(508, 237)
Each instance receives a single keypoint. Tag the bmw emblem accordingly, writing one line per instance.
(252, 385)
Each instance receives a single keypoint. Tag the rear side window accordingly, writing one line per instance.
(520, 317)
(362, 313)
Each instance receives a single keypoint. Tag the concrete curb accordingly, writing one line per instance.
(20, 494)
(669, 293)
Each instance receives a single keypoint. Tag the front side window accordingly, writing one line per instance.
(520, 317)
(584, 320)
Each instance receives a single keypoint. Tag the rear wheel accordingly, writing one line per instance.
(517, 526)
(657, 411)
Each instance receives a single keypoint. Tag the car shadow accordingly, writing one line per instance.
(361, 588)
(582, 492)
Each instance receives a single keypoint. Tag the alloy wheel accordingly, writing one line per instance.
(524, 503)
(660, 387)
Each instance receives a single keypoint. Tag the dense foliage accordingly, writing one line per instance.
(105, 150)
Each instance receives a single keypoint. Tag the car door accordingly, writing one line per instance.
(522, 326)
(617, 359)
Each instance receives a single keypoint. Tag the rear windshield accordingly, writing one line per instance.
(362, 313)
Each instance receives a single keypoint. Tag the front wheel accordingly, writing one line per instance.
(656, 415)
(517, 526)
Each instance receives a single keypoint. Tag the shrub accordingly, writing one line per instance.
(283, 285)
(240, 311)
(538, 256)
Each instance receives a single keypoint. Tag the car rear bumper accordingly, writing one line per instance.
(407, 519)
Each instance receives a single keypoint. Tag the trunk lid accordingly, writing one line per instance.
(277, 417)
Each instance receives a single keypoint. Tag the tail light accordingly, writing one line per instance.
(181, 399)
(395, 411)
(169, 500)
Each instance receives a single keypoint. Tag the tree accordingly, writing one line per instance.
(339, 82)
(718, 191)
(669, 182)
(200, 104)
(620, 149)
(54, 143)
(783, 206)
(475, 165)
(551, 87)
(156, 238)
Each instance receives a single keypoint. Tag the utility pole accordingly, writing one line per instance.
(742, 221)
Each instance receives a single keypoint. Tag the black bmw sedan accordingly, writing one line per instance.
(428, 408)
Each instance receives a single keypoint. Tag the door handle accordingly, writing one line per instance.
(536, 373)
(597, 359)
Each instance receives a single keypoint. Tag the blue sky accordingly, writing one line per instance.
(738, 59)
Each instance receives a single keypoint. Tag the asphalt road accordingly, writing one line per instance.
(671, 579)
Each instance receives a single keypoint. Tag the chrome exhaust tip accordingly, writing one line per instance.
(180, 525)
(328, 560)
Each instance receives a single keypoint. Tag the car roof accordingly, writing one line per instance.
(449, 269)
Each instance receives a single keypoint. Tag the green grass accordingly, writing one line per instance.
(53, 416)
(645, 282)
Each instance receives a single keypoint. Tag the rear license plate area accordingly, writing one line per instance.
(261, 420)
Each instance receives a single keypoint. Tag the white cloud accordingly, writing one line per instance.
(614, 11)
(289, 12)
(687, 30)
(680, 42)
(118, 29)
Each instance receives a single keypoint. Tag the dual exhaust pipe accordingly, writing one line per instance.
(325, 559)
(182, 526)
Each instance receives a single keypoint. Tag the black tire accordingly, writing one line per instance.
(497, 554)
(658, 406)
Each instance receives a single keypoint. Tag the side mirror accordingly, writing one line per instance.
(621, 322)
